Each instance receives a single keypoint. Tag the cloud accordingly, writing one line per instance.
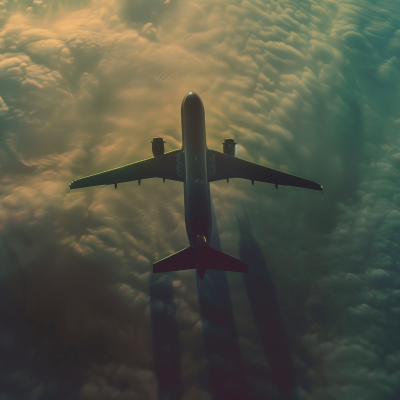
(312, 90)
(3, 107)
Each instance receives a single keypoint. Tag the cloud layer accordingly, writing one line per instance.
(311, 88)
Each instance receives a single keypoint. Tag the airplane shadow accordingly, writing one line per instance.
(225, 364)
(227, 374)
(264, 303)
(166, 350)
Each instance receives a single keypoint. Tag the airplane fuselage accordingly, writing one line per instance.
(196, 185)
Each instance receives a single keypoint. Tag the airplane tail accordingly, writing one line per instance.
(209, 259)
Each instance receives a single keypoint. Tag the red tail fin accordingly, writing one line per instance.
(186, 259)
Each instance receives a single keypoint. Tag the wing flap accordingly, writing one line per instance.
(162, 166)
(228, 167)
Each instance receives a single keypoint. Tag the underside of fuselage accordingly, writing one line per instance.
(197, 199)
(196, 185)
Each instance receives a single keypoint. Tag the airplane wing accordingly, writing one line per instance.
(166, 166)
(227, 167)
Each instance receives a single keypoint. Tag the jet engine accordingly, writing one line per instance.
(157, 146)
(229, 147)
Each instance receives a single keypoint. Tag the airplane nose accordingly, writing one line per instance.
(192, 95)
(191, 98)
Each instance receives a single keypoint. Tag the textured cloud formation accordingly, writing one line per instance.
(311, 88)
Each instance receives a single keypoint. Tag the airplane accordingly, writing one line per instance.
(196, 166)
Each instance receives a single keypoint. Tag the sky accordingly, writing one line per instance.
(307, 87)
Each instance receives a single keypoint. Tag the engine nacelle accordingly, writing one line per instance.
(157, 145)
(229, 147)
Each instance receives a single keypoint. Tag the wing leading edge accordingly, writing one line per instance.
(162, 166)
(227, 167)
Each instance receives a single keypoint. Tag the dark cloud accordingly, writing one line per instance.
(74, 320)
(146, 12)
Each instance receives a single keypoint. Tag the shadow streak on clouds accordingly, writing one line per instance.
(224, 361)
(166, 351)
(264, 303)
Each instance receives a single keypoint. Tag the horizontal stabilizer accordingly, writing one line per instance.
(183, 259)
(221, 261)
(187, 259)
